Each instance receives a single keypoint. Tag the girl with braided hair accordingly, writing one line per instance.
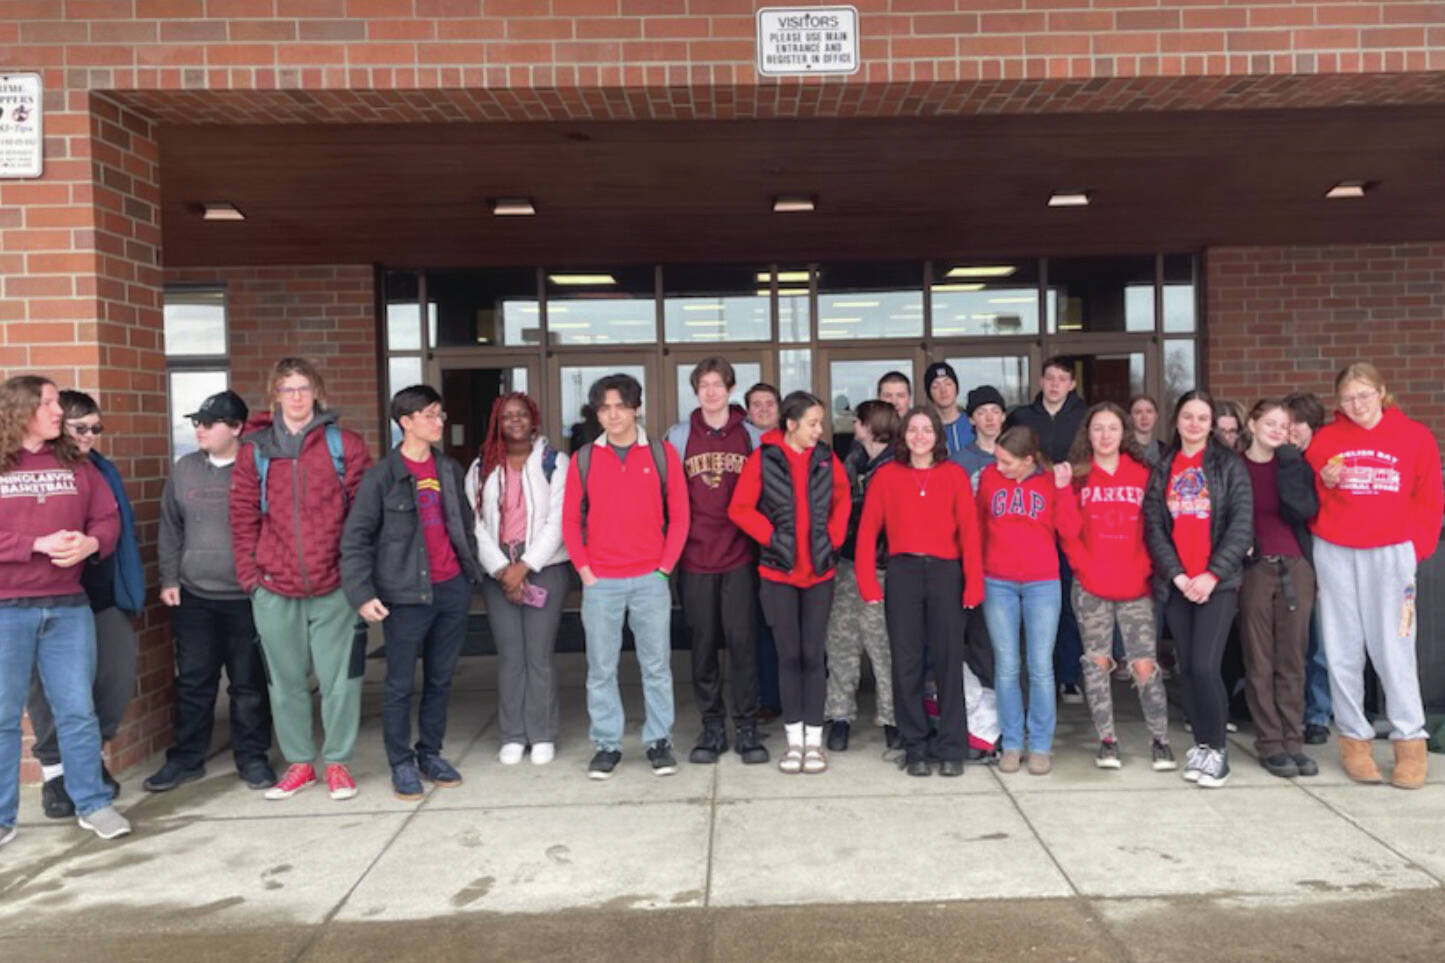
(516, 484)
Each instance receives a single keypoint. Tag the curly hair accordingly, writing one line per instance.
(19, 399)
(1081, 452)
(493, 450)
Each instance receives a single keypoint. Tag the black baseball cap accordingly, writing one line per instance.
(222, 406)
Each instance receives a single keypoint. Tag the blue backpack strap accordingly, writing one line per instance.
(549, 462)
(335, 444)
(263, 464)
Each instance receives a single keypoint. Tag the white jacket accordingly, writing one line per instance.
(544, 511)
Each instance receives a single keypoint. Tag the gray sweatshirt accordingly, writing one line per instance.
(195, 539)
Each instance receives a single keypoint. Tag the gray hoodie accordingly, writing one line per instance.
(195, 538)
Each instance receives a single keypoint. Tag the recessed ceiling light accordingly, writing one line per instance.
(982, 271)
(792, 203)
(513, 207)
(1069, 199)
(581, 279)
(221, 211)
(1348, 189)
(958, 287)
(784, 277)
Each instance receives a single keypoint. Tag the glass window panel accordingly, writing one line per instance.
(746, 373)
(795, 370)
(1110, 377)
(851, 383)
(495, 307)
(402, 297)
(716, 304)
(794, 309)
(402, 371)
(1101, 294)
(195, 322)
(577, 382)
(985, 297)
(1179, 371)
(1179, 292)
(187, 390)
(608, 306)
(870, 301)
(1008, 373)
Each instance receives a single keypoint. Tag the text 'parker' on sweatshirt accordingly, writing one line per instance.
(1106, 546)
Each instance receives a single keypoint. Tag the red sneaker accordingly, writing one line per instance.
(339, 781)
(297, 777)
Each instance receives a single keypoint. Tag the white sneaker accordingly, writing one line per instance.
(511, 753)
(543, 753)
(106, 822)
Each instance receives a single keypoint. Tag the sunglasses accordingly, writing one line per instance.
(84, 430)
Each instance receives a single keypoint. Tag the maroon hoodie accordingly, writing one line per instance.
(712, 464)
(39, 496)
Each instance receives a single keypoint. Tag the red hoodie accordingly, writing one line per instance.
(744, 509)
(39, 496)
(922, 512)
(1391, 488)
(1105, 540)
(625, 536)
(1019, 521)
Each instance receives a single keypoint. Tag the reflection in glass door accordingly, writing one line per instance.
(468, 393)
(571, 422)
(745, 373)
(852, 381)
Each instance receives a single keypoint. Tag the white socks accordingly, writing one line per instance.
(52, 772)
(794, 732)
(813, 737)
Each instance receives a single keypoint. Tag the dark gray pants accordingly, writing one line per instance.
(718, 608)
(115, 654)
(527, 710)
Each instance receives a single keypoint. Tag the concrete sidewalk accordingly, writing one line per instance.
(729, 853)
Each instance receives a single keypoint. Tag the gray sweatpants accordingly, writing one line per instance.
(1367, 605)
(527, 708)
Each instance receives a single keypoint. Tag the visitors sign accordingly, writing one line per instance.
(21, 139)
(798, 41)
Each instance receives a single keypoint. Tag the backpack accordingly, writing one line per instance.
(583, 458)
(549, 462)
(338, 461)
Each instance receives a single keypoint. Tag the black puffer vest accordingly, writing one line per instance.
(777, 503)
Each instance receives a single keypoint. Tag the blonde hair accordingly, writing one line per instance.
(290, 366)
(19, 400)
(1370, 375)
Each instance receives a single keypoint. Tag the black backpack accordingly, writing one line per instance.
(583, 458)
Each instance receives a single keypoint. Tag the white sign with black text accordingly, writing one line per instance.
(798, 41)
(21, 133)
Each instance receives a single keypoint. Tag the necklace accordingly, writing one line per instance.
(923, 485)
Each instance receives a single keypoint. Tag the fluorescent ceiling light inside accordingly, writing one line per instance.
(702, 307)
(784, 277)
(1347, 189)
(958, 287)
(1029, 300)
(513, 207)
(839, 320)
(792, 204)
(221, 211)
(569, 325)
(704, 323)
(982, 271)
(854, 304)
(581, 279)
(1069, 199)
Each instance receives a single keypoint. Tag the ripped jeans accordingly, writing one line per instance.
(1135, 619)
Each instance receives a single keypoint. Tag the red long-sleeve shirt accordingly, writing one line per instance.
(40, 496)
(624, 537)
(1104, 540)
(743, 510)
(1019, 520)
(923, 512)
(1390, 491)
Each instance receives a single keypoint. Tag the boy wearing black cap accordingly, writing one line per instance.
(210, 614)
(940, 382)
(985, 411)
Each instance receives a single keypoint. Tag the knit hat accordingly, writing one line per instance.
(939, 369)
(983, 395)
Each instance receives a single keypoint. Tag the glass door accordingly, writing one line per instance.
(749, 367)
(1009, 367)
(568, 417)
(469, 385)
(849, 376)
(1112, 369)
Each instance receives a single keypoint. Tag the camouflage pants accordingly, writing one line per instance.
(1135, 618)
(855, 627)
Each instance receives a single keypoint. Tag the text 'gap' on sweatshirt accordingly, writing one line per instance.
(1020, 520)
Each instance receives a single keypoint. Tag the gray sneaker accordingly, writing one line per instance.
(105, 822)
(1214, 769)
(7, 833)
(1193, 760)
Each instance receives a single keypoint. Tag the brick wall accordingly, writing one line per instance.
(1281, 319)
(324, 313)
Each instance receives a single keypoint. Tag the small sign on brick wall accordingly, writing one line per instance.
(21, 132)
(799, 41)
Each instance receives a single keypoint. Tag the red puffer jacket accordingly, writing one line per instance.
(295, 548)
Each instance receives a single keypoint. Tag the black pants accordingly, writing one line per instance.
(434, 633)
(923, 602)
(799, 620)
(978, 649)
(719, 611)
(1200, 633)
(212, 634)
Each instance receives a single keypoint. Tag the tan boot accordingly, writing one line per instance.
(1411, 764)
(1357, 760)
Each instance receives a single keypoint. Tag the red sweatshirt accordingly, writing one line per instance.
(744, 509)
(1390, 491)
(923, 512)
(1106, 546)
(625, 537)
(1019, 523)
(39, 496)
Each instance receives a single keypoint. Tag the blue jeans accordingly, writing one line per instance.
(1038, 603)
(646, 602)
(61, 641)
(1318, 707)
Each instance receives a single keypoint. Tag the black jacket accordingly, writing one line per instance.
(1298, 500)
(383, 549)
(1055, 432)
(860, 472)
(1231, 519)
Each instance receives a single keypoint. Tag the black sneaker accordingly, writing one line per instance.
(1280, 764)
(1162, 757)
(1306, 765)
(660, 755)
(750, 747)
(171, 775)
(917, 766)
(950, 767)
(838, 735)
(257, 774)
(710, 745)
(1316, 735)
(55, 800)
(110, 782)
(892, 738)
(406, 782)
(603, 763)
(438, 770)
(1070, 694)
(1213, 768)
(1108, 755)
